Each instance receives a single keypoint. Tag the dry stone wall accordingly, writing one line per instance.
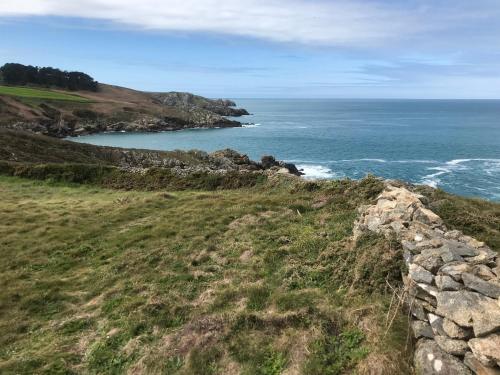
(452, 285)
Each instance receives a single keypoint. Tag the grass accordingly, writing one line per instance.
(250, 281)
(32, 93)
(475, 217)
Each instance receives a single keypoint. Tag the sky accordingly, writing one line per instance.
(266, 49)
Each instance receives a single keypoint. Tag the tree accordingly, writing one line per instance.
(18, 74)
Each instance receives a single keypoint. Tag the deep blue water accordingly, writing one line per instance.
(451, 144)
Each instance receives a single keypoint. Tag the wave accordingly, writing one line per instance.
(315, 171)
(490, 167)
(250, 125)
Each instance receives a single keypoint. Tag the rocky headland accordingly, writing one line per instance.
(115, 109)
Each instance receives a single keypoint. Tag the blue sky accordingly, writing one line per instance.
(273, 48)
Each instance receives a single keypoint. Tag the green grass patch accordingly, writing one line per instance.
(32, 93)
(191, 282)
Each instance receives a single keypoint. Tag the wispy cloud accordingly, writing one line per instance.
(322, 22)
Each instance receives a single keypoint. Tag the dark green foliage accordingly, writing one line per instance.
(18, 74)
(112, 177)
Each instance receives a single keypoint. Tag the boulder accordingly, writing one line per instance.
(452, 346)
(420, 274)
(479, 285)
(486, 349)
(268, 161)
(444, 282)
(430, 359)
(470, 309)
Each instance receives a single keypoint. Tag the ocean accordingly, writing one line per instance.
(450, 144)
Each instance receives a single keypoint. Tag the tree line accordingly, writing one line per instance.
(19, 74)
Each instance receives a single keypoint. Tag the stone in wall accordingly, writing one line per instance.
(452, 283)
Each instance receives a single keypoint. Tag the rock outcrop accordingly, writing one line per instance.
(269, 162)
(452, 285)
(221, 107)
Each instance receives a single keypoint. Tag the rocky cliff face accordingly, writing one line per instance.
(452, 285)
(186, 100)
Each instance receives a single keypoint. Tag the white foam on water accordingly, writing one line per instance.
(355, 160)
(489, 166)
(250, 125)
(315, 171)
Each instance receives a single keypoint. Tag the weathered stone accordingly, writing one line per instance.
(470, 309)
(484, 272)
(430, 359)
(455, 270)
(477, 367)
(430, 259)
(496, 270)
(449, 256)
(423, 291)
(436, 323)
(485, 256)
(475, 243)
(409, 245)
(452, 346)
(484, 287)
(421, 329)
(486, 349)
(417, 309)
(461, 249)
(420, 274)
(453, 234)
(427, 217)
(428, 244)
(455, 331)
(444, 282)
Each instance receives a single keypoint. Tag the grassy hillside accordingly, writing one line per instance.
(61, 113)
(32, 93)
(253, 281)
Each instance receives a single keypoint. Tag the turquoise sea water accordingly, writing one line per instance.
(451, 144)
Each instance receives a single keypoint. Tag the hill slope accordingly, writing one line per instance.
(61, 113)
